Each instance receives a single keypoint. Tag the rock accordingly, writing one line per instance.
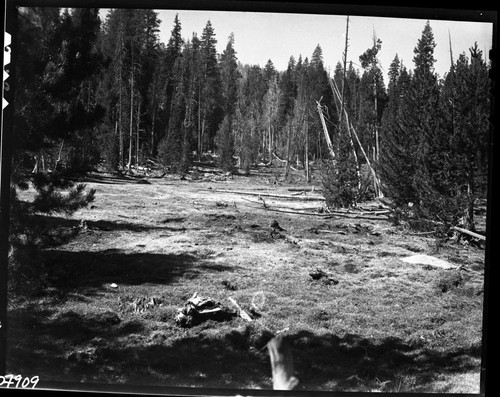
(321, 275)
(275, 225)
(229, 285)
(427, 260)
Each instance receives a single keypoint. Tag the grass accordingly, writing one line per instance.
(386, 326)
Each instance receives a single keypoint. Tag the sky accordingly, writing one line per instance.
(277, 36)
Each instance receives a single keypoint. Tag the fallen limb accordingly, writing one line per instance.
(243, 314)
(282, 196)
(468, 232)
(305, 189)
(329, 214)
(330, 231)
(277, 158)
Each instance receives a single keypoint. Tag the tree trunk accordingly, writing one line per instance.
(469, 212)
(59, 156)
(138, 121)
(199, 123)
(376, 151)
(131, 132)
(287, 166)
(325, 131)
(306, 155)
(120, 119)
(344, 70)
(270, 144)
(281, 364)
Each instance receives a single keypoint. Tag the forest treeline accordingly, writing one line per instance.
(107, 92)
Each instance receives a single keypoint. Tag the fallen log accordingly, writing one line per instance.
(330, 214)
(282, 196)
(305, 189)
(468, 232)
(289, 211)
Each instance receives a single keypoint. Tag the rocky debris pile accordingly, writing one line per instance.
(199, 309)
(324, 277)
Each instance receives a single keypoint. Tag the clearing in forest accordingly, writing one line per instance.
(120, 269)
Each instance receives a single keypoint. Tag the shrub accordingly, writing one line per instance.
(340, 184)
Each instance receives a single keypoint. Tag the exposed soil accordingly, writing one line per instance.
(141, 249)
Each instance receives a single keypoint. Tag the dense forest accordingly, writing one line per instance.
(94, 94)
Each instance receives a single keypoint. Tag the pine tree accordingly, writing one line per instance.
(398, 163)
(56, 61)
(208, 94)
(271, 100)
(422, 122)
(251, 115)
(464, 108)
(229, 93)
(58, 111)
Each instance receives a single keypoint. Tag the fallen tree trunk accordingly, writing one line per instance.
(265, 206)
(282, 196)
(469, 233)
(330, 214)
(305, 189)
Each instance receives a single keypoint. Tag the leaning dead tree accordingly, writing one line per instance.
(325, 130)
(350, 128)
(342, 104)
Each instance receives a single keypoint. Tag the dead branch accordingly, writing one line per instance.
(243, 314)
(330, 231)
(277, 158)
(468, 232)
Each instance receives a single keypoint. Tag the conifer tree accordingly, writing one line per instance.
(208, 94)
(56, 61)
(229, 96)
(465, 110)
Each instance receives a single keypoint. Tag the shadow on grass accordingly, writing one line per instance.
(68, 228)
(355, 362)
(74, 270)
(60, 345)
(70, 346)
